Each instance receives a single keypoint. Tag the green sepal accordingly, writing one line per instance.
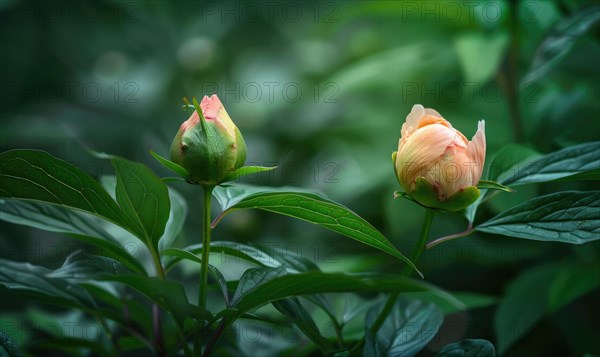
(246, 170)
(176, 168)
(426, 195)
(493, 185)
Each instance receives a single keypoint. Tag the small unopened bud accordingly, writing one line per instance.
(209, 145)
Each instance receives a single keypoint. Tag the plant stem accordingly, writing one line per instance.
(207, 190)
(440, 240)
(211, 344)
(157, 325)
(391, 301)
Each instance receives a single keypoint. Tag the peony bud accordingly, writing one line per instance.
(435, 164)
(210, 146)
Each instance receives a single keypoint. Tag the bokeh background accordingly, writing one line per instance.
(320, 89)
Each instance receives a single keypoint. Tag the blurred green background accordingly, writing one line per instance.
(320, 89)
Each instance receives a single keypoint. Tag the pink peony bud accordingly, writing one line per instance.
(211, 147)
(436, 164)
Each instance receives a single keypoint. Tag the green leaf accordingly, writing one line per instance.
(408, 328)
(469, 300)
(143, 197)
(168, 294)
(252, 279)
(299, 316)
(38, 176)
(562, 38)
(523, 305)
(246, 170)
(561, 164)
(77, 224)
(493, 185)
(568, 217)
(178, 213)
(468, 348)
(571, 283)
(480, 54)
(505, 160)
(214, 272)
(289, 285)
(311, 208)
(37, 281)
(176, 168)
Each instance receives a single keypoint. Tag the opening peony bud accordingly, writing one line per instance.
(435, 164)
(209, 145)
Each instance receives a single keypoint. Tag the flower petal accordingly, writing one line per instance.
(476, 152)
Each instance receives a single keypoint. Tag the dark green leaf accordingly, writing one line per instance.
(214, 272)
(246, 170)
(38, 176)
(570, 161)
(572, 282)
(143, 197)
(252, 279)
(168, 294)
(177, 217)
(468, 348)
(290, 285)
(568, 217)
(37, 280)
(299, 316)
(311, 208)
(523, 305)
(469, 301)
(75, 223)
(171, 165)
(408, 328)
(563, 36)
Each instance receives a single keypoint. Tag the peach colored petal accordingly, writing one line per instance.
(422, 150)
(476, 152)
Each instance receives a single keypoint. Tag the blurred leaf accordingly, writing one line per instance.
(468, 348)
(71, 346)
(311, 208)
(79, 266)
(8, 347)
(299, 316)
(246, 170)
(563, 36)
(171, 165)
(480, 55)
(317, 282)
(177, 215)
(75, 223)
(571, 283)
(469, 300)
(568, 217)
(523, 305)
(407, 329)
(560, 164)
(143, 197)
(39, 176)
